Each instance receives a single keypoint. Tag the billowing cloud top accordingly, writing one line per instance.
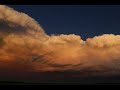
(23, 41)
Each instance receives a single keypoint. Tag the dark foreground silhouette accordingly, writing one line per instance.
(54, 78)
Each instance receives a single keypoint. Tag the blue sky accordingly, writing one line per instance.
(84, 20)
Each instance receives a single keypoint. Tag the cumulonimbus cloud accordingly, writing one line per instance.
(23, 41)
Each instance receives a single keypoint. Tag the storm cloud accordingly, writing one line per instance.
(24, 42)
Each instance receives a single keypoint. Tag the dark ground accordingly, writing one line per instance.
(54, 78)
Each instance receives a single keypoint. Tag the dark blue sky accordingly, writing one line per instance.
(84, 20)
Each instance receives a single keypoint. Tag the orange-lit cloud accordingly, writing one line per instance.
(42, 52)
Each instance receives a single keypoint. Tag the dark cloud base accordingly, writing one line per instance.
(19, 73)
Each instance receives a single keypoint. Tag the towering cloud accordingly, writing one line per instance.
(23, 41)
(13, 21)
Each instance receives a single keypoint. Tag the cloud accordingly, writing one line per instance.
(22, 40)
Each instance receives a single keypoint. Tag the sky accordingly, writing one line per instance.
(84, 20)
